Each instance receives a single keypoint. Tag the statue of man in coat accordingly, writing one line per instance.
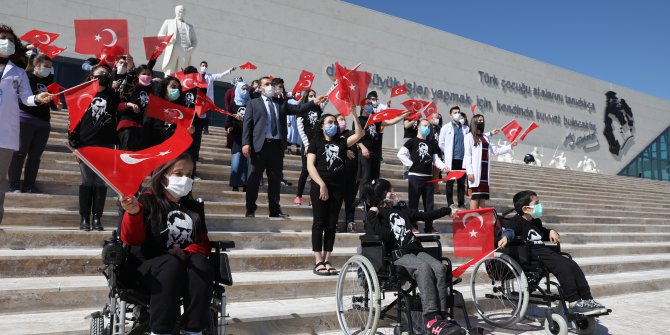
(181, 46)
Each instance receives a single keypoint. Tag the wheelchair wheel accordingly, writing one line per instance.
(499, 291)
(556, 326)
(358, 297)
(585, 326)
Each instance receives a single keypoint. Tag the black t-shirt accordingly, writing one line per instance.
(421, 152)
(140, 97)
(372, 139)
(330, 159)
(98, 125)
(310, 122)
(394, 226)
(38, 85)
(531, 231)
(412, 131)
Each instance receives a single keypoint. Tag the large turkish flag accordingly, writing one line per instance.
(473, 232)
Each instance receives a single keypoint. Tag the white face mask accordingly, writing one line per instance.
(179, 187)
(461, 120)
(392, 198)
(203, 69)
(121, 69)
(269, 91)
(456, 117)
(42, 71)
(6, 48)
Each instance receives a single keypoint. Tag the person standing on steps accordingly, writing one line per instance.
(452, 143)
(308, 126)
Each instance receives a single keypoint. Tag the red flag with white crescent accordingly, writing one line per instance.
(530, 128)
(452, 175)
(304, 84)
(414, 106)
(154, 45)
(39, 38)
(51, 50)
(511, 130)
(248, 66)
(78, 99)
(384, 115)
(123, 170)
(203, 104)
(190, 81)
(431, 108)
(94, 35)
(413, 116)
(55, 89)
(108, 55)
(399, 90)
(473, 232)
(337, 98)
(353, 84)
(169, 112)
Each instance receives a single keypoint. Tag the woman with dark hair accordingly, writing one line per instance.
(132, 111)
(308, 126)
(392, 220)
(96, 128)
(15, 87)
(238, 163)
(476, 160)
(34, 130)
(158, 130)
(166, 231)
(326, 157)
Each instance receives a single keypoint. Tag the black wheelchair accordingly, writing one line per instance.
(504, 287)
(376, 297)
(127, 311)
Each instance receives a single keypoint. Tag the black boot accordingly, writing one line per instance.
(99, 196)
(85, 201)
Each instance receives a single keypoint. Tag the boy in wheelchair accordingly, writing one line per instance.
(527, 225)
(392, 222)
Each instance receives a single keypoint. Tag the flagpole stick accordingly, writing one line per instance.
(92, 167)
(72, 88)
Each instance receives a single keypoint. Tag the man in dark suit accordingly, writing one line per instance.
(264, 140)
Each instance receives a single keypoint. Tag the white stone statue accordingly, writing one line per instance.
(559, 161)
(538, 157)
(506, 157)
(178, 52)
(587, 165)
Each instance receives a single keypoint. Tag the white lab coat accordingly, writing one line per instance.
(472, 160)
(446, 141)
(13, 86)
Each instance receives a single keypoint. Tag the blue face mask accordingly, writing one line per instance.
(424, 131)
(537, 211)
(173, 94)
(369, 109)
(330, 130)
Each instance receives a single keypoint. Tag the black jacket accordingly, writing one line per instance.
(394, 226)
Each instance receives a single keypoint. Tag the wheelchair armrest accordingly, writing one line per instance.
(222, 245)
(428, 238)
(366, 238)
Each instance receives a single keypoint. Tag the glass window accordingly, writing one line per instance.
(653, 162)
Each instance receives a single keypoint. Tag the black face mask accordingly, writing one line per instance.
(103, 79)
(480, 127)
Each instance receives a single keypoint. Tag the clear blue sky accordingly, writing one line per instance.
(623, 42)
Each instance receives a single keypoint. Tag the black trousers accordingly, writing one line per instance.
(32, 141)
(368, 168)
(270, 160)
(349, 194)
(569, 274)
(303, 176)
(325, 214)
(418, 187)
(92, 192)
(168, 278)
(131, 138)
(456, 164)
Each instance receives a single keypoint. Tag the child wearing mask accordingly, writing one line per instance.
(419, 155)
(166, 233)
(238, 164)
(528, 226)
(35, 129)
(133, 109)
(308, 126)
(158, 130)
(390, 219)
(326, 155)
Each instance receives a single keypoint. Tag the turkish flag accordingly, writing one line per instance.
(248, 66)
(108, 55)
(511, 130)
(124, 171)
(413, 117)
(304, 84)
(414, 106)
(78, 99)
(473, 108)
(55, 89)
(39, 38)
(399, 90)
(386, 114)
(190, 81)
(473, 232)
(203, 104)
(94, 35)
(430, 109)
(337, 98)
(459, 271)
(353, 83)
(164, 110)
(51, 50)
(530, 128)
(452, 175)
(154, 45)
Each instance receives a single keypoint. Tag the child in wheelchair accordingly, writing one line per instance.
(527, 225)
(168, 247)
(391, 221)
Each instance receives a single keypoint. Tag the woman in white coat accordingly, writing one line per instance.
(14, 86)
(477, 163)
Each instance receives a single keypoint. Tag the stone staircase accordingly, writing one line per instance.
(617, 228)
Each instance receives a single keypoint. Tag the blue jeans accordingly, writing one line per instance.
(238, 170)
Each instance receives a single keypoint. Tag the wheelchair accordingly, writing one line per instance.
(127, 311)
(373, 296)
(504, 287)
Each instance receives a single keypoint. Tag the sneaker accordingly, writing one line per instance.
(597, 305)
(284, 182)
(297, 201)
(583, 307)
(351, 228)
(382, 161)
(33, 190)
(14, 189)
(444, 327)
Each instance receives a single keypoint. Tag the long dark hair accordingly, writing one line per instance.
(19, 56)
(162, 90)
(159, 201)
(375, 192)
(305, 96)
(473, 128)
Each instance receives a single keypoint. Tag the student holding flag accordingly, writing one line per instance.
(476, 160)
(419, 154)
(390, 220)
